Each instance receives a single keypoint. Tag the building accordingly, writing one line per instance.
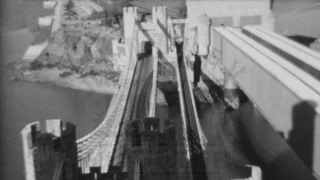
(49, 4)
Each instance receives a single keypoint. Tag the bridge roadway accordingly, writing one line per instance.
(134, 108)
(96, 148)
(220, 151)
(194, 135)
(213, 155)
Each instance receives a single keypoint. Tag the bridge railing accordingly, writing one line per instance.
(183, 146)
(191, 96)
(184, 154)
(110, 125)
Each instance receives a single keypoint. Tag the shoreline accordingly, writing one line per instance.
(90, 83)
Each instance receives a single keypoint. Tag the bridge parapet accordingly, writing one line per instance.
(104, 136)
(188, 148)
(183, 146)
(49, 153)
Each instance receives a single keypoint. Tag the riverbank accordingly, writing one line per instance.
(69, 80)
(77, 57)
(71, 62)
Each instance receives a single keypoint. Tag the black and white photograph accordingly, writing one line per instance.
(160, 90)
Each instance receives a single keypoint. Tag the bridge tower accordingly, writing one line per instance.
(50, 150)
(130, 15)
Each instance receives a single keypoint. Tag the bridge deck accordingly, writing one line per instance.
(271, 80)
(304, 64)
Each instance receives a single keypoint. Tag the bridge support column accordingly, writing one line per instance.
(129, 17)
(231, 91)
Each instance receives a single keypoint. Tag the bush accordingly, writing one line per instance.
(36, 65)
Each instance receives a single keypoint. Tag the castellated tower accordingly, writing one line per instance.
(50, 152)
(151, 142)
(130, 15)
(160, 19)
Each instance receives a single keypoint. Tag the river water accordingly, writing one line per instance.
(25, 102)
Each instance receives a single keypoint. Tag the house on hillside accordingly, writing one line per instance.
(49, 4)
(45, 22)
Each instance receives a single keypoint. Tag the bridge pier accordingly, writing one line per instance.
(231, 91)
(129, 18)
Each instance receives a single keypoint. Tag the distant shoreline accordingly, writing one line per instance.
(74, 81)
(90, 83)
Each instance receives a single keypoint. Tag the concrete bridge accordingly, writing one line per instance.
(279, 76)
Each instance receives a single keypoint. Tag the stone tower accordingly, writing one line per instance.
(130, 15)
(50, 153)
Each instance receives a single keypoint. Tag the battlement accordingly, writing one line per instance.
(159, 9)
(159, 12)
(47, 147)
(130, 10)
(204, 19)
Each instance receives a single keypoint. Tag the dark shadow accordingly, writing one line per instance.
(243, 98)
(148, 48)
(307, 41)
(196, 70)
(215, 91)
(278, 160)
(302, 135)
(144, 16)
(271, 4)
(170, 94)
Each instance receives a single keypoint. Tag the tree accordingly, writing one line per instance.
(70, 11)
